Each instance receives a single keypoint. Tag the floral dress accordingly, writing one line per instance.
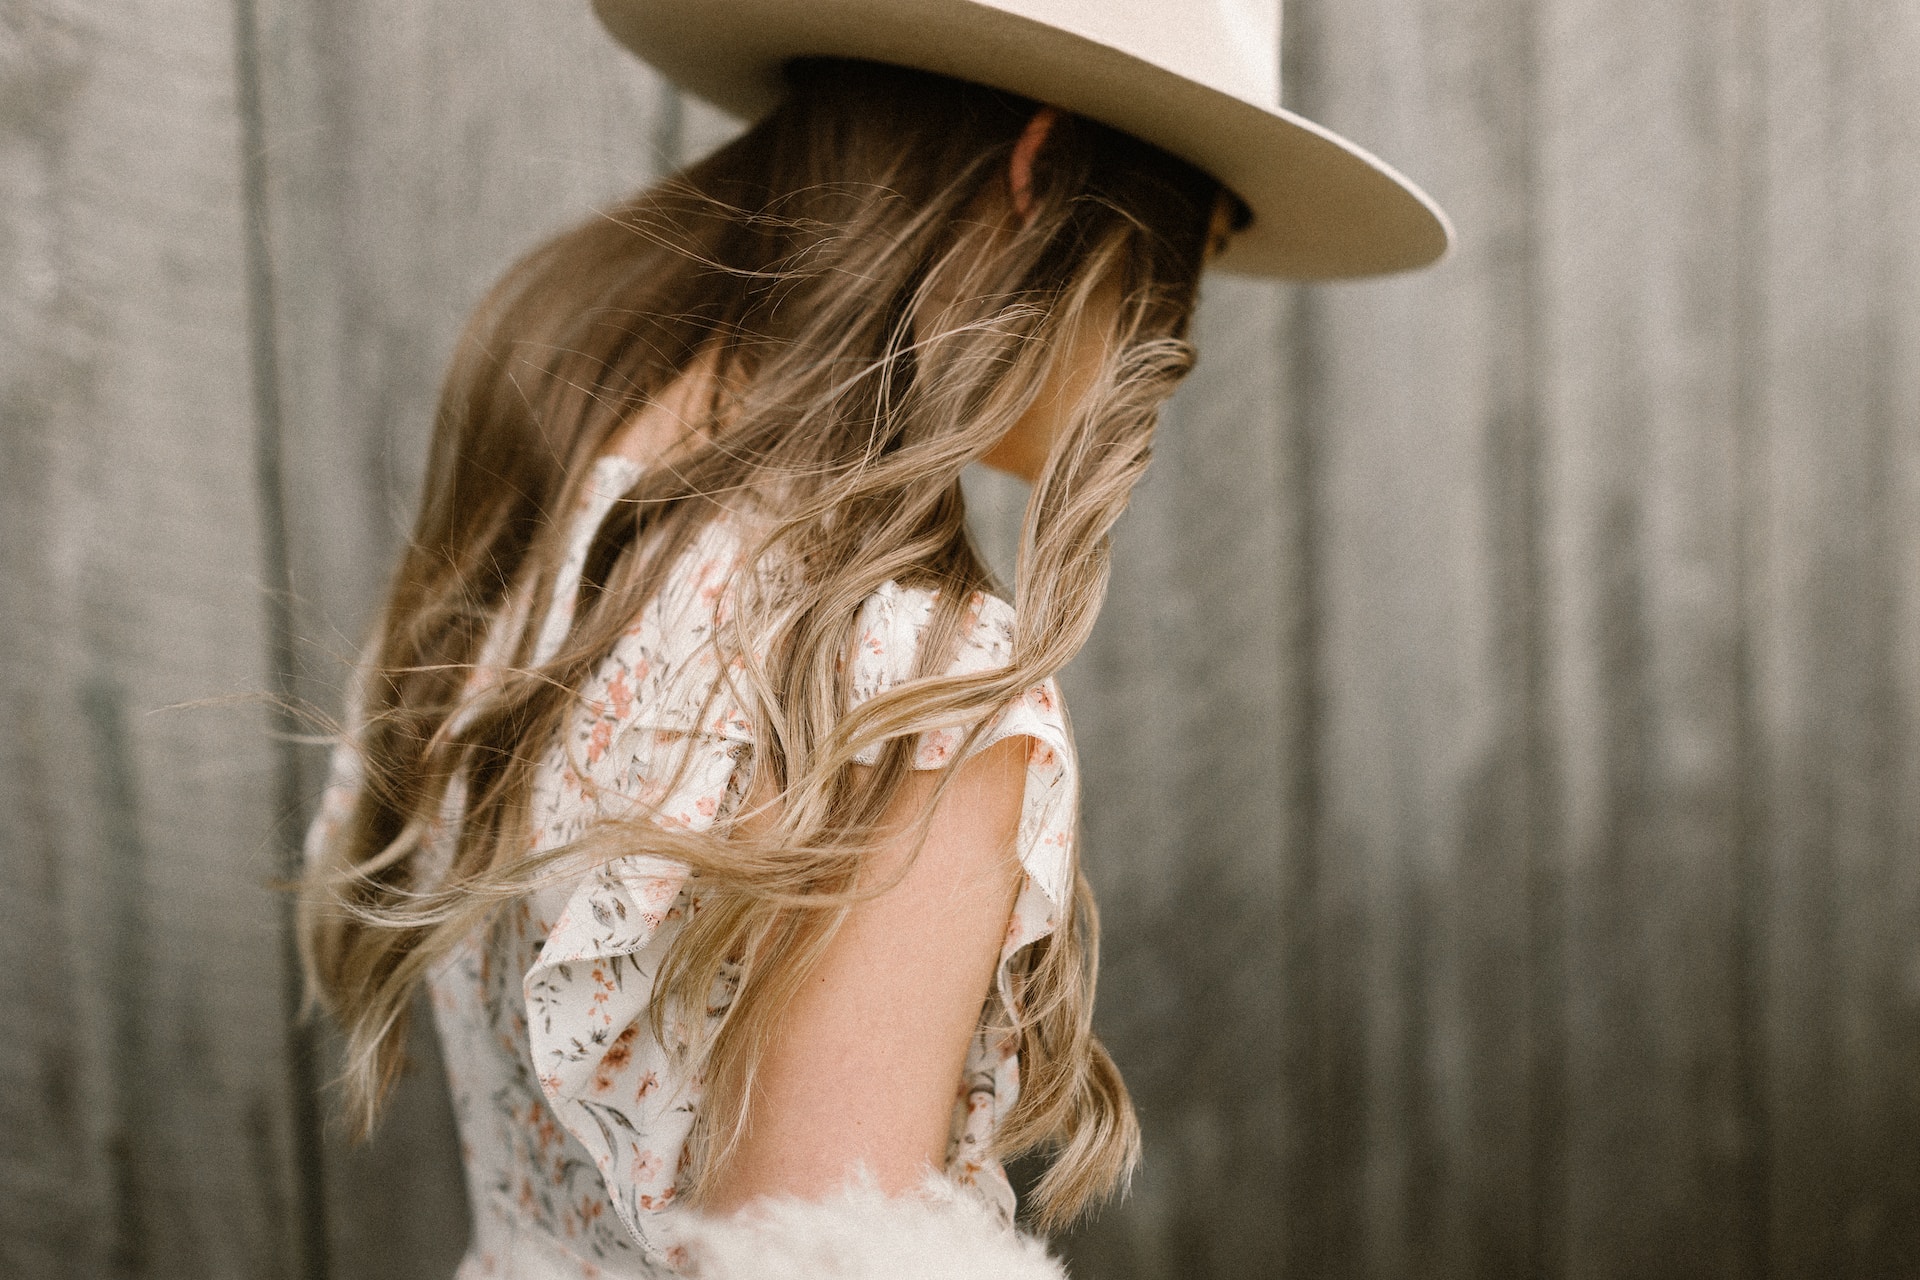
(573, 1118)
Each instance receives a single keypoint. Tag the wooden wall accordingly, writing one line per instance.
(1502, 741)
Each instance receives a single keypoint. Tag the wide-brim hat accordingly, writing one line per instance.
(1197, 78)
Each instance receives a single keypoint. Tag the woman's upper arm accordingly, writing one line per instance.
(863, 1067)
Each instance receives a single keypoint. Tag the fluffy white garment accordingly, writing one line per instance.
(941, 1234)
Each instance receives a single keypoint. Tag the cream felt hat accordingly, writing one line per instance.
(1198, 78)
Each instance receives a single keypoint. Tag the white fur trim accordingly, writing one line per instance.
(942, 1234)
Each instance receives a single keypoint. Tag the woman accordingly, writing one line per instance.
(697, 772)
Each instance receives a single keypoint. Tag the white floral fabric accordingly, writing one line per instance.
(573, 1118)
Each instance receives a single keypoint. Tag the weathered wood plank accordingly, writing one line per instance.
(1414, 403)
(1640, 290)
(146, 1108)
(1831, 469)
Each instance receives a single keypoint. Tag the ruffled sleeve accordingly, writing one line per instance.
(890, 630)
(652, 733)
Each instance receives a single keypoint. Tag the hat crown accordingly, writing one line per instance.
(1229, 45)
(1199, 79)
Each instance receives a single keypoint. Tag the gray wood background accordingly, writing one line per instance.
(1502, 742)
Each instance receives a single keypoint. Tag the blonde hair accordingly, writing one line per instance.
(868, 334)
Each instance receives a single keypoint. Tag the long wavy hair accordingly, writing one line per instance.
(867, 332)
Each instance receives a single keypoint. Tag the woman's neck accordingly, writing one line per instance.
(673, 419)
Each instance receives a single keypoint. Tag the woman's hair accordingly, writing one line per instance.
(868, 319)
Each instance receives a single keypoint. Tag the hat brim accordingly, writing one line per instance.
(1322, 207)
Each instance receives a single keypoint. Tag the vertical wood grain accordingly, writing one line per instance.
(1831, 458)
(147, 1114)
(1433, 1080)
(1641, 539)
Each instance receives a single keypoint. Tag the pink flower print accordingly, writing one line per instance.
(648, 1083)
(712, 577)
(546, 1131)
(707, 806)
(646, 1167)
(1041, 697)
(602, 739)
(614, 1060)
(1039, 755)
(872, 644)
(660, 1201)
(621, 694)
